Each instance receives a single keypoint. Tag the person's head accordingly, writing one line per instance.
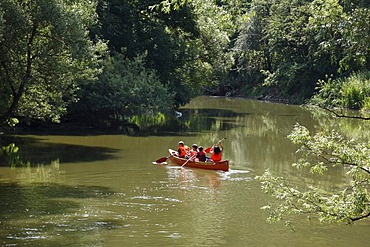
(200, 148)
(194, 146)
(217, 149)
(181, 143)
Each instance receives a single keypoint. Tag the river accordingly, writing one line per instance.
(92, 189)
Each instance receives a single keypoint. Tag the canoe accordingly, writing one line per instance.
(221, 165)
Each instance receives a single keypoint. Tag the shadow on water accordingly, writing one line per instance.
(35, 151)
(192, 120)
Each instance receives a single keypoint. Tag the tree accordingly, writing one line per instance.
(356, 40)
(187, 42)
(319, 152)
(45, 52)
(295, 43)
(139, 27)
(125, 89)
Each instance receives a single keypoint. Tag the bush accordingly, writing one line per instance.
(352, 92)
(355, 89)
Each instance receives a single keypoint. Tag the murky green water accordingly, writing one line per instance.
(103, 190)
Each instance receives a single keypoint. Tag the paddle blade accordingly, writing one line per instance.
(161, 160)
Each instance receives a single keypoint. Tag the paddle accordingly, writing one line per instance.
(163, 159)
(207, 150)
(192, 157)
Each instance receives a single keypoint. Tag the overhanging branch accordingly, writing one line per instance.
(342, 115)
(360, 217)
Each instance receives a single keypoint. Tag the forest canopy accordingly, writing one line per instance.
(61, 59)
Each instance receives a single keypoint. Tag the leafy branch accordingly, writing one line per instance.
(318, 153)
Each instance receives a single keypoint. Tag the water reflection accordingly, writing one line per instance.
(201, 193)
(189, 178)
(40, 211)
(348, 127)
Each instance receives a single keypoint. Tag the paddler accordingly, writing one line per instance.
(193, 152)
(182, 150)
(216, 153)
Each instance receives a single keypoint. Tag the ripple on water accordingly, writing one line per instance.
(236, 175)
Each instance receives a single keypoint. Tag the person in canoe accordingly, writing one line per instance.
(182, 150)
(216, 153)
(201, 155)
(193, 152)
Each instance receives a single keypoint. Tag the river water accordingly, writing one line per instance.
(103, 190)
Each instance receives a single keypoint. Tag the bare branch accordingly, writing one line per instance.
(361, 217)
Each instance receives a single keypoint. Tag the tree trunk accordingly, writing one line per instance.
(17, 94)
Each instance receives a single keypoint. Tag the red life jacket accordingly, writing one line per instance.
(201, 156)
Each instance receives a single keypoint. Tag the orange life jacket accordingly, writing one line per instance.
(193, 153)
(183, 150)
(216, 157)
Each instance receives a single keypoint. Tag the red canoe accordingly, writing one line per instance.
(221, 165)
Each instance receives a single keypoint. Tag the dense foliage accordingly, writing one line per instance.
(45, 52)
(288, 45)
(51, 50)
(185, 41)
(352, 92)
(139, 29)
(125, 89)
